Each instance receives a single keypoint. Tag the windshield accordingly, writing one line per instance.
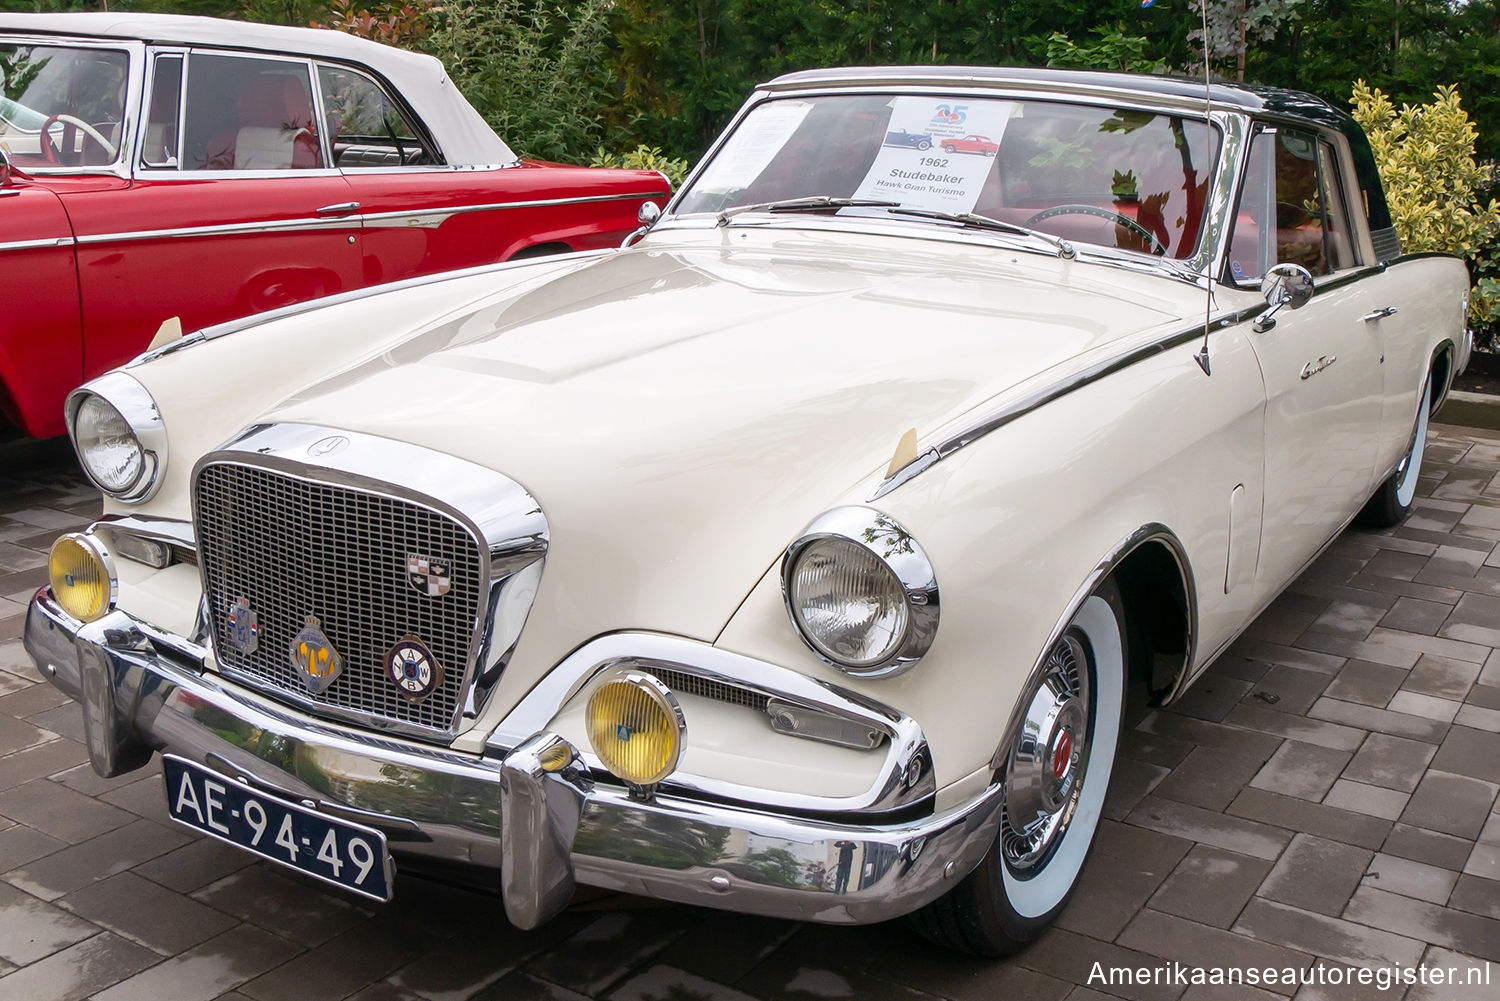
(1116, 177)
(61, 106)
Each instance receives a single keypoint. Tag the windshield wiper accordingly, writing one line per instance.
(815, 203)
(1064, 249)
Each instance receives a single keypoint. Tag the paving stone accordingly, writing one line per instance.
(31, 929)
(519, 985)
(1070, 957)
(1321, 819)
(1343, 646)
(1469, 933)
(25, 700)
(1366, 683)
(1210, 886)
(1361, 798)
(1210, 778)
(20, 844)
(1465, 751)
(1298, 728)
(1410, 879)
(453, 969)
(195, 865)
(1439, 646)
(1232, 833)
(60, 812)
(1476, 718)
(343, 964)
(1123, 871)
(1211, 697)
(1289, 689)
(1304, 770)
(1331, 938)
(773, 981)
(39, 761)
(607, 948)
(728, 947)
(1476, 895)
(1392, 762)
(1370, 718)
(1290, 656)
(1338, 982)
(144, 912)
(1463, 977)
(79, 971)
(1442, 677)
(286, 905)
(1484, 861)
(1316, 874)
(1346, 618)
(1426, 706)
(77, 866)
(1398, 565)
(661, 982)
(1416, 615)
(1452, 804)
(1155, 749)
(1130, 782)
(1432, 847)
(1205, 734)
(1194, 944)
(207, 970)
(65, 720)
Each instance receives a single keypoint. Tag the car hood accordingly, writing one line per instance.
(681, 411)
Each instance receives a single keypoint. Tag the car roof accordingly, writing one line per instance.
(1177, 90)
(462, 134)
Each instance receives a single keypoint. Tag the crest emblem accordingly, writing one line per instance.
(328, 446)
(243, 632)
(317, 663)
(428, 575)
(412, 668)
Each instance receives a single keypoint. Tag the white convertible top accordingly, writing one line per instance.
(464, 137)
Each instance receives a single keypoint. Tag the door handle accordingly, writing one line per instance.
(342, 208)
(1377, 314)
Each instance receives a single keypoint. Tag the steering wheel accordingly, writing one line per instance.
(1155, 245)
(79, 123)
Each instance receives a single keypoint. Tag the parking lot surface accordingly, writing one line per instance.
(1323, 797)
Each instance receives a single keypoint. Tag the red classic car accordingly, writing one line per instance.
(154, 166)
(971, 144)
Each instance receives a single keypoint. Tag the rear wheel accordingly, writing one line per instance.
(1392, 501)
(1055, 777)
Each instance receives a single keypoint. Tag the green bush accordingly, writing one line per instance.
(1426, 157)
(644, 157)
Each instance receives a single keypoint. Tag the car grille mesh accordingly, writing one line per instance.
(296, 548)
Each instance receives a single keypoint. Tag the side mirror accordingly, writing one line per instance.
(1289, 285)
(646, 217)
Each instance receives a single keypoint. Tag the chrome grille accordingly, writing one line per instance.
(296, 548)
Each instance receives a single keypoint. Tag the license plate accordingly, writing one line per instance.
(335, 851)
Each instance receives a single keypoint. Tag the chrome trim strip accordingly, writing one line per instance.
(169, 530)
(55, 241)
(225, 229)
(1046, 394)
(905, 776)
(1152, 532)
(444, 213)
(907, 562)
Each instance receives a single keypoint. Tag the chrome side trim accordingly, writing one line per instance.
(1046, 394)
(496, 510)
(904, 778)
(227, 229)
(353, 295)
(1152, 532)
(376, 218)
(56, 241)
(888, 542)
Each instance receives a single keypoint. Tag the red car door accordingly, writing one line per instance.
(422, 216)
(232, 209)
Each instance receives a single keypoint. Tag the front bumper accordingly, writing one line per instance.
(500, 822)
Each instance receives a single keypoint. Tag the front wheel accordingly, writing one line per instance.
(1055, 777)
(1391, 502)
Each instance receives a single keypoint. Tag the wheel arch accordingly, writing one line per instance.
(1151, 569)
(1441, 370)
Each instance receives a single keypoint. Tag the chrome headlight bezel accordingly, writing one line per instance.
(138, 409)
(882, 537)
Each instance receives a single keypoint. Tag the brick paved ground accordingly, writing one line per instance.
(1324, 796)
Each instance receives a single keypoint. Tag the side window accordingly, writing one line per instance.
(163, 113)
(1292, 208)
(248, 114)
(365, 127)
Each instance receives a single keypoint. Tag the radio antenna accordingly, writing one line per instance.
(1208, 107)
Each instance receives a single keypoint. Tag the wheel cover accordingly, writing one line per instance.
(1048, 759)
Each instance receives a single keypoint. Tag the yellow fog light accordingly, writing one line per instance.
(636, 727)
(82, 577)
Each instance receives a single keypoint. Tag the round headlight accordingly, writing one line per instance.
(636, 727)
(861, 592)
(79, 572)
(110, 452)
(118, 434)
(848, 604)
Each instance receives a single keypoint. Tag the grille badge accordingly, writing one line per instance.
(412, 668)
(318, 664)
(432, 577)
(244, 627)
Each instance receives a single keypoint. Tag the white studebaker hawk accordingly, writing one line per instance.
(799, 558)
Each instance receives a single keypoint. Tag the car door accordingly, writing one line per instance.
(232, 208)
(1321, 363)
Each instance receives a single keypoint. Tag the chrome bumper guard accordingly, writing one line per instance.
(504, 820)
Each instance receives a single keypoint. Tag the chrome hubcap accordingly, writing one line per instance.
(1047, 760)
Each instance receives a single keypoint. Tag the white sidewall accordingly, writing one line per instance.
(1406, 488)
(1035, 897)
